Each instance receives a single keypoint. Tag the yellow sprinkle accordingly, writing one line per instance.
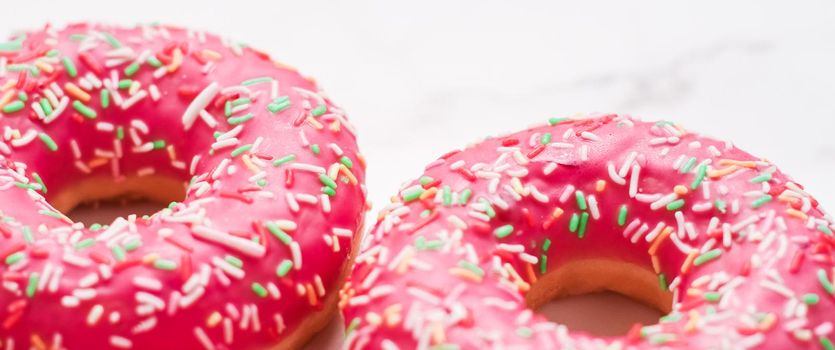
(601, 185)
(214, 319)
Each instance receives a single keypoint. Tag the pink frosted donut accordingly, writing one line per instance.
(735, 253)
(263, 171)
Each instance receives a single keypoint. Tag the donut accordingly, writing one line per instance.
(261, 169)
(733, 252)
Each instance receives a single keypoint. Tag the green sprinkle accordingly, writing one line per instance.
(574, 223)
(546, 245)
(584, 221)
(27, 235)
(823, 228)
(761, 178)
(624, 211)
(240, 150)
(327, 181)
(166, 265)
(279, 105)
(259, 290)
(488, 209)
(23, 96)
(95, 227)
(227, 109)
(545, 139)
(707, 256)
(759, 202)
(412, 195)
(124, 83)
(154, 62)
(355, 322)
(133, 245)
(425, 213)
(701, 172)
(503, 231)
(39, 181)
(105, 98)
(524, 332)
(15, 45)
(826, 343)
(84, 110)
(32, 287)
(346, 162)
(234, 261)
(422, 244)
(825, 283)
(329, 191)
(120, 131)
(279, 233)
(85, 243)
(48, 141)
(675, 205)
(318, 111)
(159, 144)
(254, 81)
(465, 196)
(446, 194)
(112, 40)
(70, 66)
(283, 268)
(118, 253)
(12, 107)
(25, 186)
(811, 298)
(555, 121)
(471, 267)
(131, 69)
(687, 166)
(712, 296)
(720, 205)
(543, 264)
(286, 159)
(14, 258)
(241, 101)
(242, 119)
(315, 149)
(662, 281)
(581, 200)
(51, 213)
(47, 108)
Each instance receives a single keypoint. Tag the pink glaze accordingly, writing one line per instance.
(251, 252)
(450, 259)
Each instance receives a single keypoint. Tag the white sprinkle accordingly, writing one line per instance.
(199, 103)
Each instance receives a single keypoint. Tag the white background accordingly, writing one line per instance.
(421, 77)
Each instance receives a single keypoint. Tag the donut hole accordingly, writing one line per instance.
(102, 200)
(599, 296)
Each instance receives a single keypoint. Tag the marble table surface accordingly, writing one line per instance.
(421, 77)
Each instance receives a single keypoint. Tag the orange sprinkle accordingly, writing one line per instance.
(438, 335)
(465, 274)
(768, 322)
(404, 264)
(601, 185)
(531, 274)
(314, 123)
(176, 60)
(653, 249)
(7, 97)
(172, 153)
(150, 258)
(211, 55)
(311, 295)
(347, 172)
(690, 327)
(37, 342)
(722, 172)
(680, 190)
(336, 126)
(656, 264)
(8, 85)
(76, 92)
(46, 67)
(429, 193)
(557, 212)
(97, 162)
(688, 263)
(214, 319)
(361, 160)
(742, 163)
(797, 213)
